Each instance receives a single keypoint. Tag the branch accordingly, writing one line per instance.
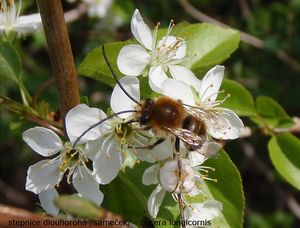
(245, 37)
(9, 214)
(76, 13)
(60, 54)
(248, 131)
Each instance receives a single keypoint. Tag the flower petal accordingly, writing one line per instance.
(80, 118)
(205, 211)
(155, 200)
(28, 24)
(91, 148)
(107, 162)
(233, 126)
(87, 186)
(156, 78)
(46, 198)
(174, 43)
(119, 101)
(178, 90)
(208, 150)
(211, 83)
(185, 75)
(42, 176)
(133, 59)
(158, 153)
(43, 141)
(141, 31)
(150, 175)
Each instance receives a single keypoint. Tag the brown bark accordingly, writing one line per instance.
(60, 54)
(11, 217)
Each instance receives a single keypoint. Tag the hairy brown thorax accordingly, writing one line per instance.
(163, 112)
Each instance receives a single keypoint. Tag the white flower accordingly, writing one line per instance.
(175, 179)
(221, 123)
(47, 201)
(10, 19)
(202, 212)
(160, 56)
(45, 174)
(185, 180)
(169, 179)
(119, 140)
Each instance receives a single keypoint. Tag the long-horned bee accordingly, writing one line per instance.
(165, 116)
(170, 116)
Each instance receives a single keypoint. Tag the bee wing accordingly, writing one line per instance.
(214, 119)
(188, 137)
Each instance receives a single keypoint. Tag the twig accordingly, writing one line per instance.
(290, 200)
(11, 217)
(28, 113)
(60, 54)
(76, 13)
(12, 194)
(245, 8)
(245, 37)
(248, 131)
(40, 89)
(43, 123)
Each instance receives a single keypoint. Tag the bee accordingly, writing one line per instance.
(165, 116)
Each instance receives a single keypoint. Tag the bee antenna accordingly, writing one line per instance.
(116, 78)
(98, 123)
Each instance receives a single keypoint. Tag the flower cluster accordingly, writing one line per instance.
(130, 133)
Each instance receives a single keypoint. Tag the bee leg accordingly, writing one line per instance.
(149, 147)
(131, 121)
(147, 128)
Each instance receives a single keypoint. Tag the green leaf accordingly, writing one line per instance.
(10, 63)
(79, 207)
(208, 44)
(272, 114)
(284, 151)
(228, 190)
(240, 100)
(95, 67)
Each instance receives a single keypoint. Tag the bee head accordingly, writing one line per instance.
(146, 111)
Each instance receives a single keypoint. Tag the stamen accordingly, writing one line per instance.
(210, 179)
(207, 167)
(155, 35)
(19, 10)
(217, 103)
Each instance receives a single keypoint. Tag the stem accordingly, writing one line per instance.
(180, 203)
(60, 54)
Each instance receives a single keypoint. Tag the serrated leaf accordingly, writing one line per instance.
(272, 113)
(208, 44)
(284, 151)
(10, 63)
(228, 190)
(240, 100)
